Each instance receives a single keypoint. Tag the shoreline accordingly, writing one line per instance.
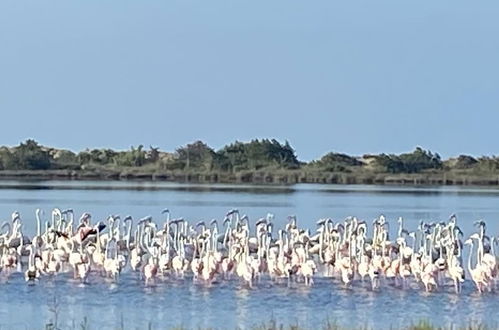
(258, 177)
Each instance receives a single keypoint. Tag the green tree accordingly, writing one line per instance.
(258, 154)
(97, 156)
(64, 159)
(30, 156)
(152, 155)
(336, 162)
(413, 162)
(197, 155)
(7, 161)
(135, 157)
(419, 160)
(464, 162)
(389, 163)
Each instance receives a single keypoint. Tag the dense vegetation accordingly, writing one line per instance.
(255, 161)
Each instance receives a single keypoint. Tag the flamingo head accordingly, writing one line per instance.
(475, 236)
(321, 222)
(15, 216)
(262, 221)
(479, 223)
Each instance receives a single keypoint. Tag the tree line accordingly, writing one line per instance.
(255, 155)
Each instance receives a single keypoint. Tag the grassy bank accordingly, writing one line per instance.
(257, 161)
(279, 176)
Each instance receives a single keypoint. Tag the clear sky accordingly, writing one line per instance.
(348, 76)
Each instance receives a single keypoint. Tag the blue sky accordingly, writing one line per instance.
(349, 76)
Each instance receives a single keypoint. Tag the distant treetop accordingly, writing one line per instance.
(255, 155)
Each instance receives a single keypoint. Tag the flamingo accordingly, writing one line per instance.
(476, 273)
(32, 273)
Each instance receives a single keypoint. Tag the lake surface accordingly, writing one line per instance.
(228, 304)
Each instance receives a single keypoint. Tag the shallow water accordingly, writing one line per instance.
(228, 304)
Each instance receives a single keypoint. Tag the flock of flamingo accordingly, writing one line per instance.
(430, 256)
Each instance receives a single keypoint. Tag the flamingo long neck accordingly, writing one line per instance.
(203, 249)
(209, 244)
(31, 260)
(110, 224)
(384, 238)
(168, 233)
(469, 257)
(361, 247)
(177, 237)
(353, 247)
(106, 252)
(337, 251)
(492, 249)
(38, 225)
(167, 248)
(214, 239)
(116, 229)
(226, 234)
(164, 241)
(425, 245)
(99, 249)
(430, 251)
(195, 243)
(321, 243)
(458, 249)
(182, 247)
(259, 249)
(14, 229)
(480, 249)
(230, 255)
(137, 238)
(401, 249)
(7, 233)
(422, 239)
(69, 228)
(246, 249)
(281, 245)
(21, 238)
(129, 234)
(451, 231)
(142, 237)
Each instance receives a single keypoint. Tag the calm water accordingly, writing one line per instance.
(228, 304)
